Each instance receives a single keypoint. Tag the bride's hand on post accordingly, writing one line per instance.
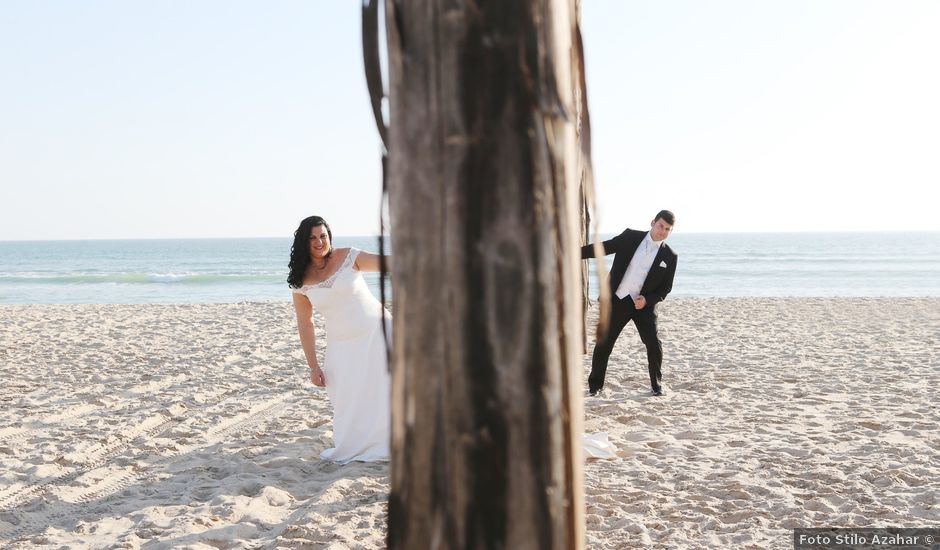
(316, 376)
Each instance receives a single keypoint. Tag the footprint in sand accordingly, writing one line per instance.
(651, 420)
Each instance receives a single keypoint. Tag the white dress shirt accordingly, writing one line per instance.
(638, 268)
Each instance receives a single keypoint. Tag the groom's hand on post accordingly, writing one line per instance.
(640, 302)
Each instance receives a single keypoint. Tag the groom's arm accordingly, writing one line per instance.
(610, 246)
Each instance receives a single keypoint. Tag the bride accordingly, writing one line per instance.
(355, 372)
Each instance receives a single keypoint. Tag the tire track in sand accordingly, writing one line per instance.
(19, 524)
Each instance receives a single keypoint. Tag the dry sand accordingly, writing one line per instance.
(195, 426)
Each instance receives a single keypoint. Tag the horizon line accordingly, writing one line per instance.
(794, 232)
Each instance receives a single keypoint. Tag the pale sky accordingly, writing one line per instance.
(227, 118)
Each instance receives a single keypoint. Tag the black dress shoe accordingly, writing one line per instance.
(658, 392)
(595, 393)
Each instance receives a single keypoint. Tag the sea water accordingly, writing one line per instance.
(234, 270)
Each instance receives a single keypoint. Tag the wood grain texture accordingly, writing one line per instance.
(486, 209)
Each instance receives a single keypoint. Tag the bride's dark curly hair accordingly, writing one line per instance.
(300, 250)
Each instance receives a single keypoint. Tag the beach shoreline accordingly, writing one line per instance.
(196, 425)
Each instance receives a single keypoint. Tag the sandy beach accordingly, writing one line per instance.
(196, 426)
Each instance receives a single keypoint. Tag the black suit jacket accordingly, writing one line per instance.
(659, 280)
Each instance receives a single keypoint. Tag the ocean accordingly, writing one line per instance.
(235, 270)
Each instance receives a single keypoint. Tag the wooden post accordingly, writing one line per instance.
(486, 214)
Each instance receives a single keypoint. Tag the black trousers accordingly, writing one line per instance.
(621, 312)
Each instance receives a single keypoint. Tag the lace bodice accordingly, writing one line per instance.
(345, 301)
(328, 282)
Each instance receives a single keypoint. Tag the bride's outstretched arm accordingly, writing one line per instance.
(308, 337)
(370, 262)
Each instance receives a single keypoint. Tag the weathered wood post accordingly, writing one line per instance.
(486, 211)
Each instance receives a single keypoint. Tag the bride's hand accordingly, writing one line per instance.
(316, 376)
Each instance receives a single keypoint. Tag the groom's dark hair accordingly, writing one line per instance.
(300, 250)
(667, 216)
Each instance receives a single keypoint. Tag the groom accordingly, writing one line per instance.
(641, 277)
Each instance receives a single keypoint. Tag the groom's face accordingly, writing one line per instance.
(660, 229)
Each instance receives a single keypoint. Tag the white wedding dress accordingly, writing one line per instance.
(356, 365)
